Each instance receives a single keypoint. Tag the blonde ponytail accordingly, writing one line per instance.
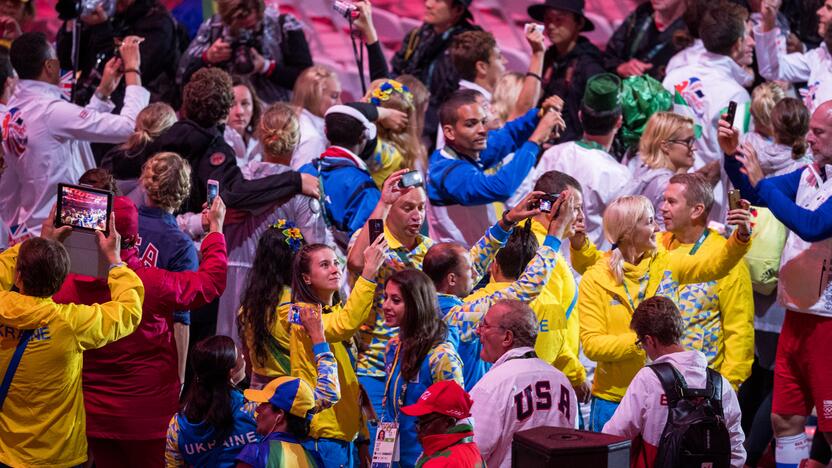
(620, 220)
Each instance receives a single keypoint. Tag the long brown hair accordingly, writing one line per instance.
(302, 292)
(421, 328)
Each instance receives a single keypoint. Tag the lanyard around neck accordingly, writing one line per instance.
(400, 399)
(699, 242)
(642, 287)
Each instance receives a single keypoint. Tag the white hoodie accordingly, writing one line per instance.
(46, 141)
(702, 89)
(643, 410)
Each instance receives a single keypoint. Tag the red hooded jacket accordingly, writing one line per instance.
(131, 387)
(456, 449)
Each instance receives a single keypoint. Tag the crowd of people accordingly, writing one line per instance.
(631, 241)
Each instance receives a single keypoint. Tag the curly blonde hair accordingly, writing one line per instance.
(166, 178)
(151, 122)
(278, 130)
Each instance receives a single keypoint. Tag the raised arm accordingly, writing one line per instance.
(342, 324)
(709, 265)
(772, 61)
(327, 388)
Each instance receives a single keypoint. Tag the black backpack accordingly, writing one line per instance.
(695, 434)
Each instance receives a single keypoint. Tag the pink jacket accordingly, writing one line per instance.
(131, 386)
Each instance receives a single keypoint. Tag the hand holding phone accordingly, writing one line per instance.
(547, 201)
(213, 191)
(731, 113)
(294, 314)
(411, 179)
(376, 229)
(734, 198)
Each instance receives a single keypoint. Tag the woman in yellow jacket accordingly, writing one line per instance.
(267, 290)
(316, 278)
(632, 271)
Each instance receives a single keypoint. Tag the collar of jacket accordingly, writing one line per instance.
(448, 301)
(37, 88)
(512, 354)
(725, 64)
(434, 443)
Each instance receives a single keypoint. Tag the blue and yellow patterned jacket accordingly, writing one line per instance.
(375, 335)
(465, 317)
(718, 315)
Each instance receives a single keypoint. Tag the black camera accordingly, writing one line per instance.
(547, 201)
(241, 45)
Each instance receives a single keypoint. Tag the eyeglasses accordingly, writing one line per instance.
(482, 325)
(428, 419)
(640, 342)
(687, 142)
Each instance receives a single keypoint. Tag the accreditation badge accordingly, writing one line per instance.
(387, 445)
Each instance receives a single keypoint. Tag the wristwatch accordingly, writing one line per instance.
(101, 96)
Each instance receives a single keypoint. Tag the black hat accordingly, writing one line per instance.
(538, 11)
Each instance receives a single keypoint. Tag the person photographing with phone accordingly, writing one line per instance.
(316, 279)
(138, 377)
(801, 201)
(616, 282)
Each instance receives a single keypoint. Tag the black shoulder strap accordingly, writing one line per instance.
(715, 384)
(673, 383)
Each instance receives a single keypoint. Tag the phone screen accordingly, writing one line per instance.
(376, 229)
(213, 191)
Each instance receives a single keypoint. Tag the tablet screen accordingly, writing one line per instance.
(84, 208)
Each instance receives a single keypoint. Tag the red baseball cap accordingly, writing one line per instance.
(445, 397)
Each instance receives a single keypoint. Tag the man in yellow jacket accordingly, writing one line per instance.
(558, 338)
(42, 421)
(718, 315)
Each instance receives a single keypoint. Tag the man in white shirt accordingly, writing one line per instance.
(46, 139)
(813, 67)
(703, 87)
(588, 160)
(520, 391)
(643, 411)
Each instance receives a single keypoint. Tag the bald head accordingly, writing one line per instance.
(820, 133)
